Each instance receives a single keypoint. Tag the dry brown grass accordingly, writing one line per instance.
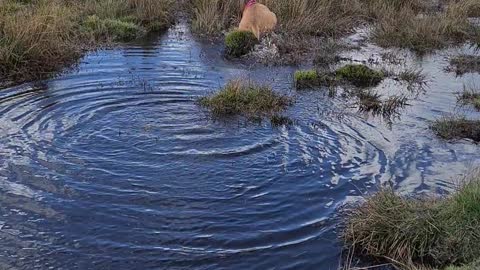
(210, 17)
(315, 17)
(40, 37)
(424, 32)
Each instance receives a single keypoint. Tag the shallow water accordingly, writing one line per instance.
(114, 166)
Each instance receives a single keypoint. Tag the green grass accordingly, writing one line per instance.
(457, 127)
(311, 79)
(470, 96)
(248, 99)
(122, 29)
(239, 43)
(360, 75)
(413, 231)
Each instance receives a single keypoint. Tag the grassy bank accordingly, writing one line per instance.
(39, 37)
(419, 233)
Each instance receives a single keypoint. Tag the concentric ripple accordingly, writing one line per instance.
(114, 166)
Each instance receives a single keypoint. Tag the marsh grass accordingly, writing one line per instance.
(464, 63)
(248, 99)
(211, 17)
(39, 38)
(372, 102)
(418, 232)
(457, 127)
(423, 32)
(239, 43)
(470, 96)
(360, 75)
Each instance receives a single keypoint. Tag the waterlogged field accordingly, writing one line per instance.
(115, 165)
(163, 153)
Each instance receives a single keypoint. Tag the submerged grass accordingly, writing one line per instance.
(418, 233)
(457, 127)
(464, 63)
(470, 96)
(39, 37)
(248, 99)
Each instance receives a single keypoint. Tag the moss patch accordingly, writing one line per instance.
(416, 232)
(312, 78)
(239, 43)
(451, 128)
(360, 75)
(246, 99)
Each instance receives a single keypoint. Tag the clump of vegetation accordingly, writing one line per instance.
(311, 78)
(305, 77)
(116, 29)
(247, 99)
(360, 75)
(418, 232)
(372, 102)
(412, 77)
(470, 96)
(40, 37)
(239, 43)
(457, 127)
(462, 64)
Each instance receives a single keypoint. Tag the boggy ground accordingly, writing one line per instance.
(40, 37)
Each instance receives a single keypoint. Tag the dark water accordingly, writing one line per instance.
(114, 166)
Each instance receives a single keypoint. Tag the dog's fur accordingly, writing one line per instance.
(257, 19)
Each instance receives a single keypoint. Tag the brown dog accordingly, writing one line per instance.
(257, 18)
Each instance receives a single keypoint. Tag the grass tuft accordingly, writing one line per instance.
(414, 232)
(116, 29)
(246, 99)
(470, 96)
(239, 43)
(360, 75)
(311, 79)
(454, 127)
(462, 64)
